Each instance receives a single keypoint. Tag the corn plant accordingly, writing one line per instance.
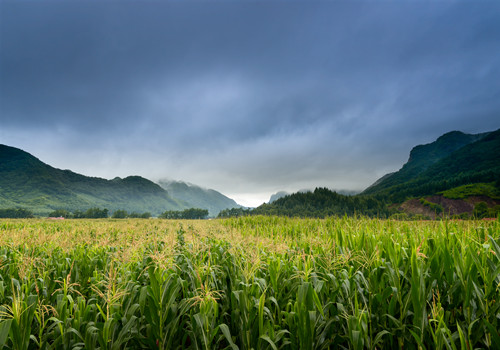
(249, 283)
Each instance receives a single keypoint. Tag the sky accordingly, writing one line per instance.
(245, 97)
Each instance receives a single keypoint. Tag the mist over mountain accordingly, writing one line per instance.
(27, 182)
(275, 196)
(198, 197)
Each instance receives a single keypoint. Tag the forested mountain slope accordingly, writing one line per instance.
(453, 160)
(27, 182)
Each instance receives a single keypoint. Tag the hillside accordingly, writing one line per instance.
(451, 175)
(324, 202)
(424, 156)
(454, 159)
(274, 197)
(198, 197)
(27, 182)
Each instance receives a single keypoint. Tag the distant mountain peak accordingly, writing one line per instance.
(198, 197)
(25, 181)
(278, 195)
(453, 133)
(450, 156)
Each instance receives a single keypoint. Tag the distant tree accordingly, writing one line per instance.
(136, 215)
(61, 213)
(170, 214)
(481, 210)
(78, 214)
(92, 213)
(494, 212)
(16, 213)
(119, 214)
(233, 212)
(192, 213)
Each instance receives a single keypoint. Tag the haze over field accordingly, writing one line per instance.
(249, 98)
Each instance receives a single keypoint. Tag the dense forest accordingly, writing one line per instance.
(323, 202)
(190, 214)
(15, 213)
(319, 203)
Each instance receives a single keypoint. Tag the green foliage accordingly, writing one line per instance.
(477, 189)
(91, 213)
(15, 213)
(409, 217)
(119, 214)
(61, 213)
(135, 215)
(324, 202)
(481, 210)
(192, 213)
(234, 213)
(249, 283)
(435, 207)
(463, 216)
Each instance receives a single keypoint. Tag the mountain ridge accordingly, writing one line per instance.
(26, 181)
(198, 196)
(424, 156)
(443, 164)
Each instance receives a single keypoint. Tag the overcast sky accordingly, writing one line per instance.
(245, 97)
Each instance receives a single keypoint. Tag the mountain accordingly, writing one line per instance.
(274, 197)
(27, 182)
(281, 194)
(198, 197)
(424, 156)
(453, 160)
(452, 175)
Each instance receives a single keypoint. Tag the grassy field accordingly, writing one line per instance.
(249, 283)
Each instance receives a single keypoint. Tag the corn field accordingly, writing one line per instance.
(249, 283)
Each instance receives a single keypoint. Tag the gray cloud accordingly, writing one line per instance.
(245, 97)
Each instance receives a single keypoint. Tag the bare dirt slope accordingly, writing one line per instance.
(450, 206)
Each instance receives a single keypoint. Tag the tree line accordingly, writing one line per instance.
(16, 213)
(320, 203)
(192, 213)
(97, 213)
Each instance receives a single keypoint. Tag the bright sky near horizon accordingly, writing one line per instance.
(246, 97)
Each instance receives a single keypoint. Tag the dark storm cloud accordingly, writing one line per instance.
(245, 96)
